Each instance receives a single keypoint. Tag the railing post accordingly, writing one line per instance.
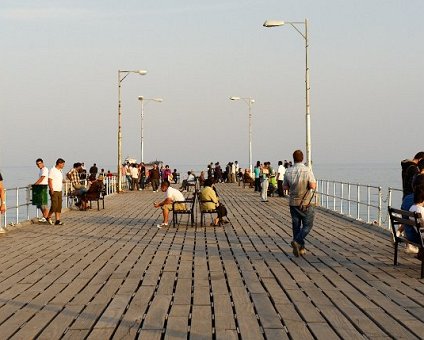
(380, 202)
(368, 203)
(17, 205)
(28, 200)
(358, 194)
(349, 199)
(334, 196)
(341, 197)
(326, 194)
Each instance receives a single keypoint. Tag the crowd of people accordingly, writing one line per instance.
(295, 180)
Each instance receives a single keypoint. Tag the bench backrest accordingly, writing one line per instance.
(402, 217)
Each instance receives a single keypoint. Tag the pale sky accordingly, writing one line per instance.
(60, 59)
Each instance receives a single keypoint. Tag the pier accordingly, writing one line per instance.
(113, 274)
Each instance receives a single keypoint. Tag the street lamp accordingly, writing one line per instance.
(142, 100)
(294, 24)
(120, 80)
(249, 101)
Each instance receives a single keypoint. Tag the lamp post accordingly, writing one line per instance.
(294, 24)
(121, 76)
(142, 100)
(249, 101)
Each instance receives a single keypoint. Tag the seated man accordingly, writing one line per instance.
(172, 195)
(74, 176)
(190, 180)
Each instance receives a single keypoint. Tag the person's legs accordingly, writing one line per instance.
(264, 192)
(280, 188)
(307, 219)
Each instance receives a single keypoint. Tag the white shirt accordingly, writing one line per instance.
(174, 194)
(191, 178)
(281, 171)
(134, 172)
(57, 177)
(418, 209)
(44, 172)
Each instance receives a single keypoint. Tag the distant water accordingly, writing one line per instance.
(375, 174)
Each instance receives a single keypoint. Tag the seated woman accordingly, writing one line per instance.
(93, 192)
(247, 178)
(411, 233)
(210, 201)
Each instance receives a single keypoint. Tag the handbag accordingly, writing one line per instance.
(305, 203)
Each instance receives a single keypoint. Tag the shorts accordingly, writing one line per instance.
(42, 206)
(56, 199)
(178, 206)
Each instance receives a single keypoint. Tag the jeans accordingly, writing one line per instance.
(264, 192)
(302, 222)
(257, 184)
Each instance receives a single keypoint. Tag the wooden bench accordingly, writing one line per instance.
(96, 193)
(406, 218)
(190, 204)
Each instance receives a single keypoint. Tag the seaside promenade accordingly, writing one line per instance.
(113, 274)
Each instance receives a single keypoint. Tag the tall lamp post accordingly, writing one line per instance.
(295, 24)
(249, 101)
(121, 76)
(142, 100)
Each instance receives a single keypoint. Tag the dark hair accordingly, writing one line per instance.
(280, 162)
(298, 156)
(77, 165)
(419, 155)
(208, 182)
(39, 160)
(420, 164)
(60, 161)
(258, 163)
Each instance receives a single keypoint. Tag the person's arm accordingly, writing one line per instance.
(51, 186)
(40, 180)
(312, 185)
(2, 198)
(167, 200)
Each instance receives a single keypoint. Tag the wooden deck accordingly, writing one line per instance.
(113, 274)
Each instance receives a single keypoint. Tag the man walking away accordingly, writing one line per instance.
(300, 180)
(42, 181)
(55, 186)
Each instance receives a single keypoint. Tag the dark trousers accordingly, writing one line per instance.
(258, 184)
(280, 188)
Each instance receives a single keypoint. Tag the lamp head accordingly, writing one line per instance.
(273, 23)
(140, 98)
(159, 100)
(142, 72)
(235, 98)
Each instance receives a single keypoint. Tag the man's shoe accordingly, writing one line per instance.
(49, 221)
(59, 223)
(42, 220)
(411, 249)
(302, 251)
(162, 225)
(296, 248)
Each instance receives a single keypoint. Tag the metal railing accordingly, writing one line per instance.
(362, 202)
(22, 208)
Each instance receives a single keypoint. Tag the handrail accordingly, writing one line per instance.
(362, 202)
(22, 198)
